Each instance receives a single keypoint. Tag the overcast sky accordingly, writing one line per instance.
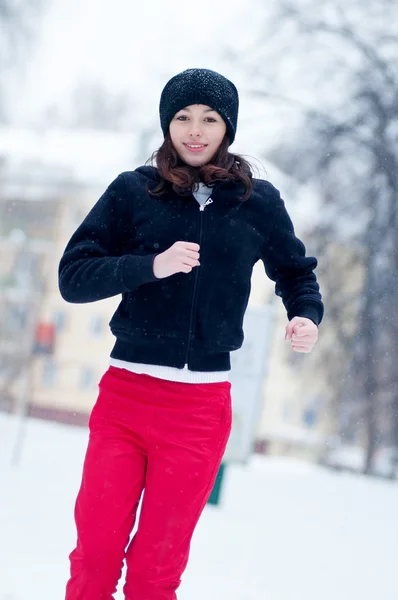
(136, 47)
(129, 46)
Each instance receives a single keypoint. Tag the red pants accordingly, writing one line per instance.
(168, 438)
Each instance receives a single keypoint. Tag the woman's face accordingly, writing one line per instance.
(196, 132)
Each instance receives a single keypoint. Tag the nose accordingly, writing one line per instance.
(195, 131)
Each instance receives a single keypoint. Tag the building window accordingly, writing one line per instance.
(96, 326)
(287, 412)
(19, 316)
(59, 320)
(311, 411)
(295, 360)
(87, 378)
(310, 416)
(49, 375)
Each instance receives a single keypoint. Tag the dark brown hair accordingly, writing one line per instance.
(224, 167)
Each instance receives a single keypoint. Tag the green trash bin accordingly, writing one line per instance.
(215, 495)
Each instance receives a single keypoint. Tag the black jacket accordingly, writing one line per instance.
(195, 318)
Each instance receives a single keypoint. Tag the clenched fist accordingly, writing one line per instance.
(181, 257)
(303, 334)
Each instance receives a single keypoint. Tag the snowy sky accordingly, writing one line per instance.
(129, 46)
(135, 48)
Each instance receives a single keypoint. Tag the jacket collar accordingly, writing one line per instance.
(228, 191)
(224, 191)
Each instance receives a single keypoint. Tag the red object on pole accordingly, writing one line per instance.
(44, 338)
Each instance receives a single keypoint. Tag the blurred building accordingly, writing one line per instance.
(48, 183)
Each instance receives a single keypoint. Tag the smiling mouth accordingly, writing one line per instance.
(195, 147)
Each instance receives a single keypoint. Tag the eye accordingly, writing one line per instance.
(181, 118)
(211, 119)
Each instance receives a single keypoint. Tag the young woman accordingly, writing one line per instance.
(178, 242)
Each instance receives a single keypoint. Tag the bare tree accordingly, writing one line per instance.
(345, 141)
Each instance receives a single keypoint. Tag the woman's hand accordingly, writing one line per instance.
(303, 334)
(181, 257)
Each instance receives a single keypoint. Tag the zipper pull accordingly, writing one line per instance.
(203, 206)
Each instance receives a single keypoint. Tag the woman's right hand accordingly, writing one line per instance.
(181, 257)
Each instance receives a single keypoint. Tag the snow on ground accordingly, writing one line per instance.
(285, 530)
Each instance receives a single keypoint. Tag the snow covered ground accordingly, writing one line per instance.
(286, 530)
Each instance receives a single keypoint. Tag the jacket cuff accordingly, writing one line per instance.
(313, 311)
(138, 270)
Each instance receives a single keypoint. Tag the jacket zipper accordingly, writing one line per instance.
(195, 285)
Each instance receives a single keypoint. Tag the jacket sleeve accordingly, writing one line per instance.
(285, 263)
(93, 266)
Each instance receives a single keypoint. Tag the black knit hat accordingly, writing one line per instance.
(200, 86)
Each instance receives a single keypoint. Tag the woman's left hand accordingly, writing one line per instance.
(303, 333)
